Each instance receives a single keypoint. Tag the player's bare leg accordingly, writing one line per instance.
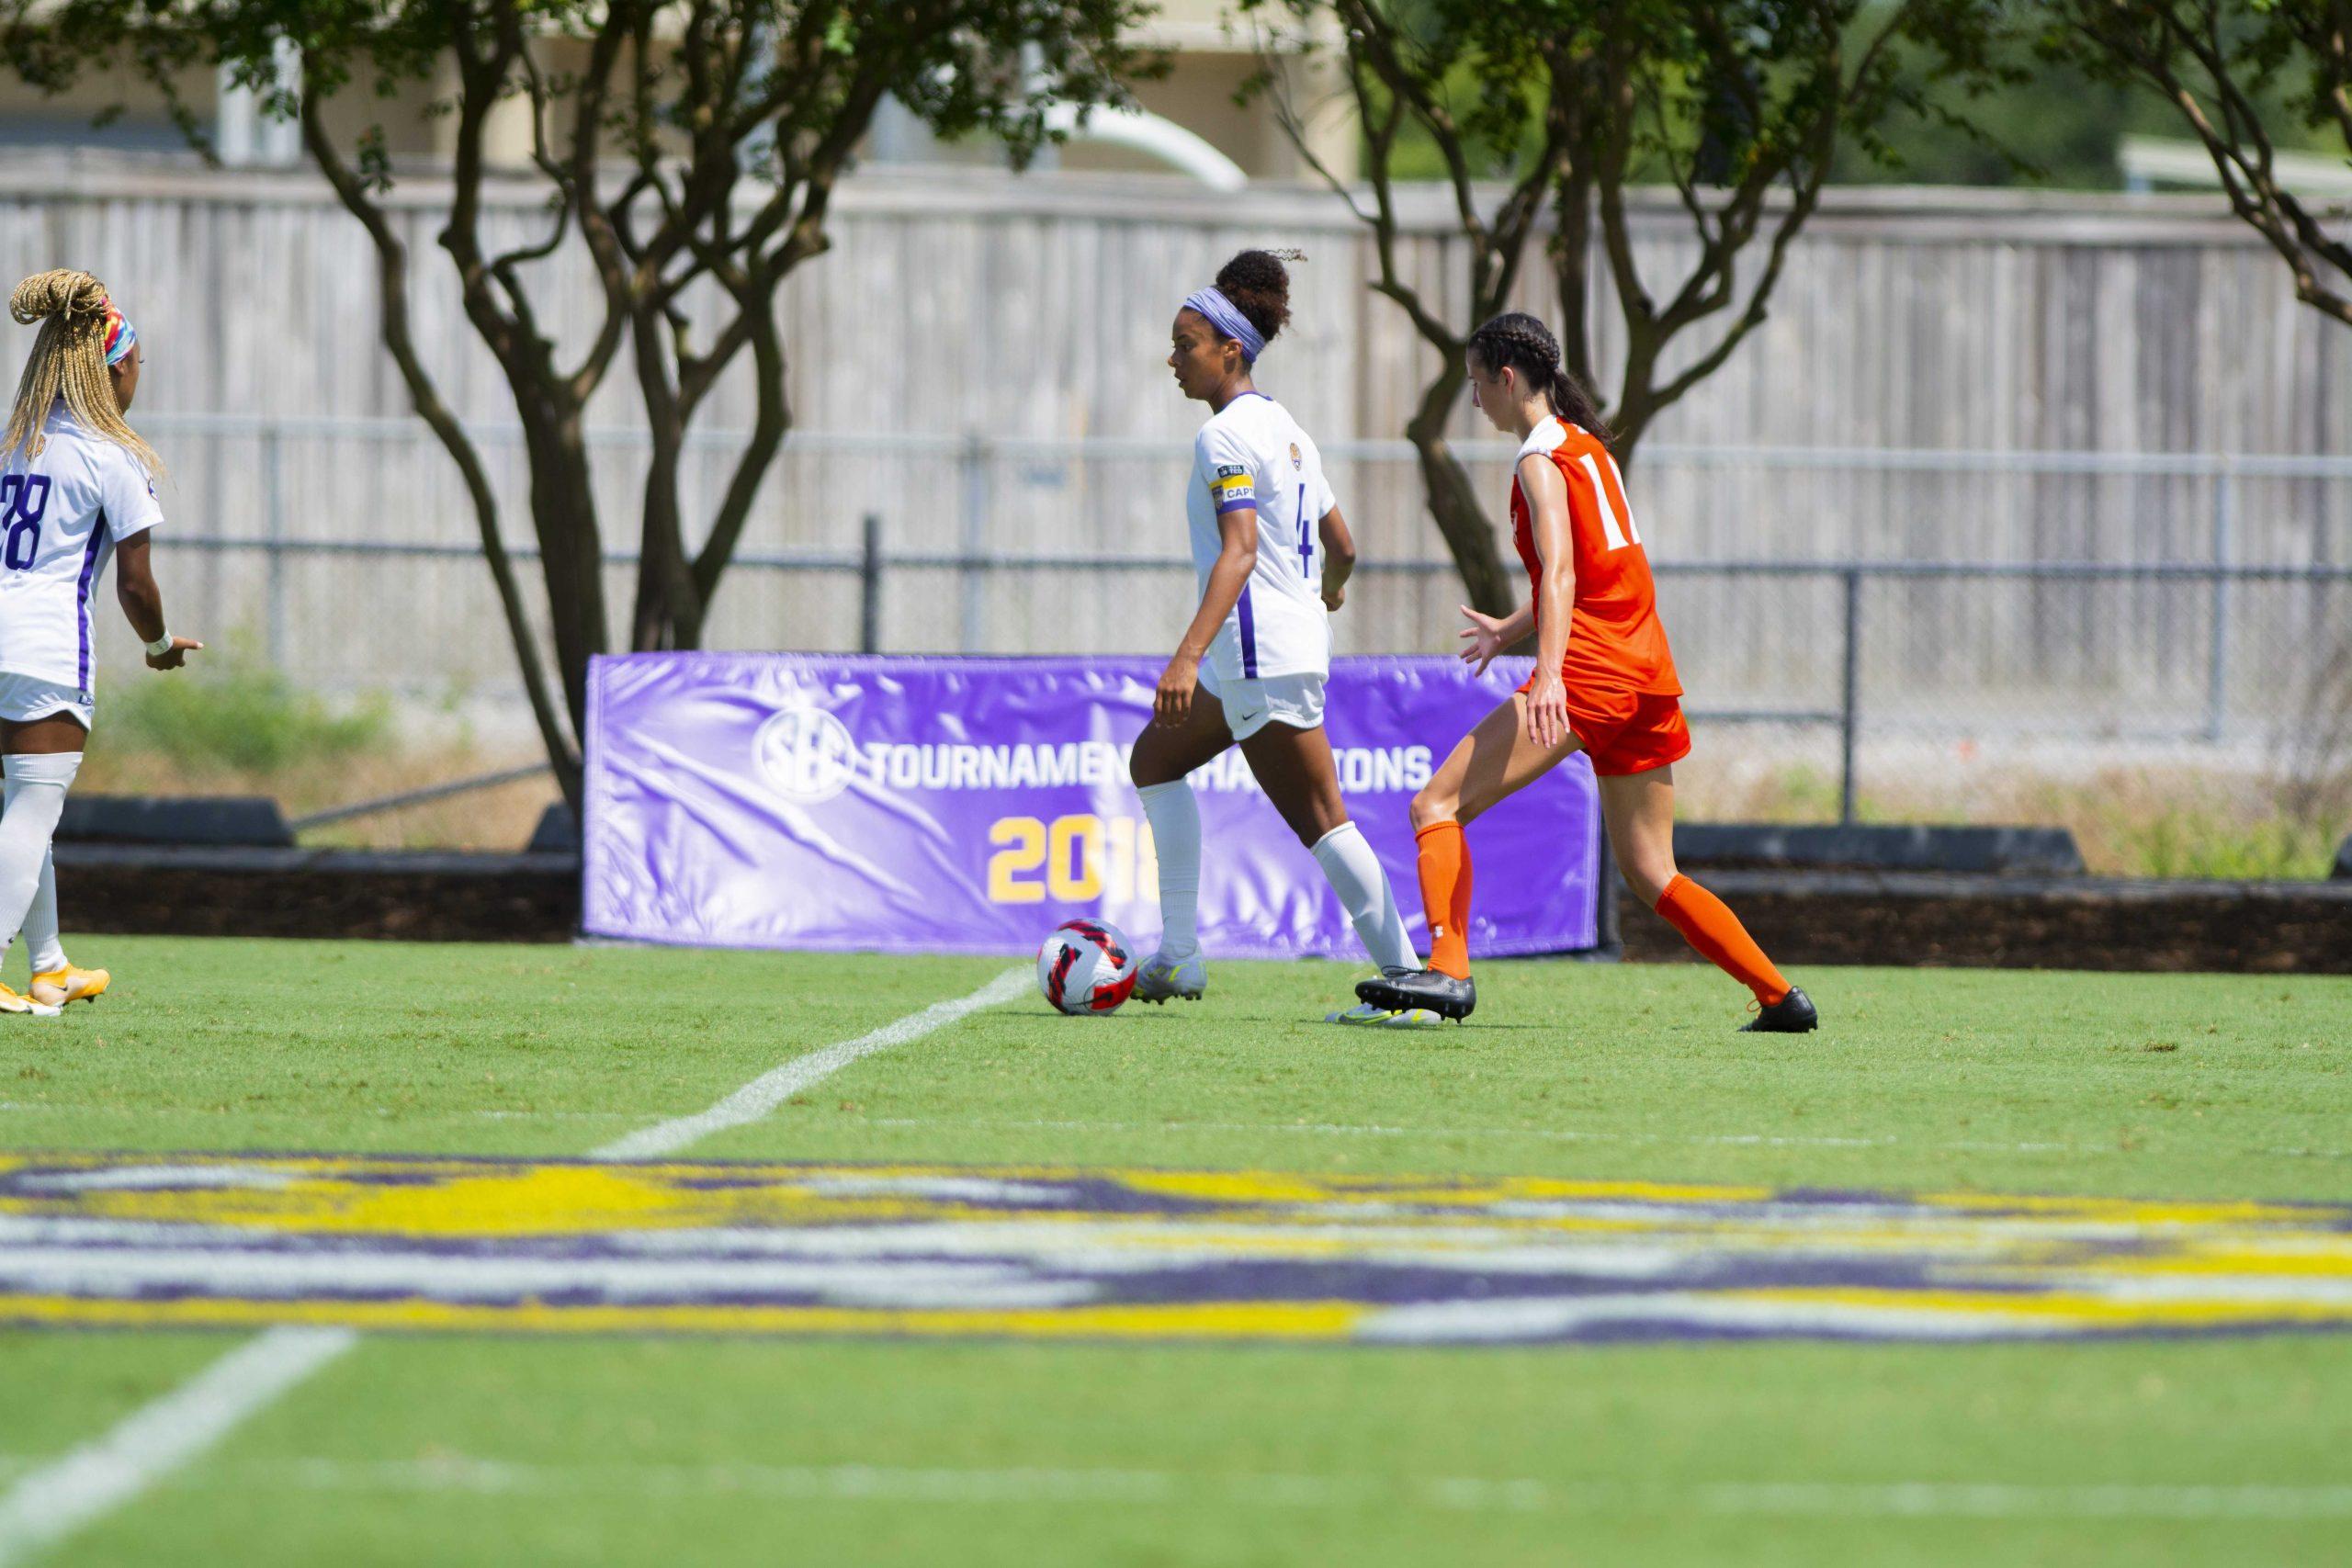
(1494, 761)
(1164, 755)
(1639, 811)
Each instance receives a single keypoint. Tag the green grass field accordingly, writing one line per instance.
(957, 1439)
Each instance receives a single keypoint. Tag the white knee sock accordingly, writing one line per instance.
(34, 800)
(1354, 874)
(1175, 818)
(40, 922)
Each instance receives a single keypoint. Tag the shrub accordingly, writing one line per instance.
(232, 711)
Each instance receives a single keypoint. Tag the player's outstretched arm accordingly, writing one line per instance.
(1489, 634)
(1338, 558)
(142, 604)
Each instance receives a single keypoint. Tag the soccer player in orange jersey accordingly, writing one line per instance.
(1603, 683)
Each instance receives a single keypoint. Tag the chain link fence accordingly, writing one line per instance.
(1872, 628)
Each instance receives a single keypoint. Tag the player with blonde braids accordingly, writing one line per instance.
(77, 485)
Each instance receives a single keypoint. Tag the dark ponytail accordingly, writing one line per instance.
(1518, 340)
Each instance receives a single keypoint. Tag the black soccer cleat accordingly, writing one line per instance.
(1440, 994)
(1792, 1014)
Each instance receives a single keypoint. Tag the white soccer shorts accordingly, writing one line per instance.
(1251, 704)
(23, 698)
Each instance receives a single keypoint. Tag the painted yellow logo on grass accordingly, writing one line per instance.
(1066, 1253)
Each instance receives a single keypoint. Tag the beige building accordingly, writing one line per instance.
(1186, 123)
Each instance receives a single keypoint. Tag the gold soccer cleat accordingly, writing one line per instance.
(70, 985)
(11, 1002)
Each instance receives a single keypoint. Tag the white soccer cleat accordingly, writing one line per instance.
(1162, 978)
(1370, 1015)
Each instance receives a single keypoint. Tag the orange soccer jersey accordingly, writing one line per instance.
(1617, 650)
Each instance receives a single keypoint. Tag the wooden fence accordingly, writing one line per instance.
(978, 361)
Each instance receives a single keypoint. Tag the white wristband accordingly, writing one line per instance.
(160, 647)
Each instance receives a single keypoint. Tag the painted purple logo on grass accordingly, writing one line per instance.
(1050, 1252)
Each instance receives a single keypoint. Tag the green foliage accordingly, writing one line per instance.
(2136, 823)
(236, 712)
(2054, 119)
(683, 154)
(2053, 128)
(2239, 76)
(1701, 93)
(2185, 841)
(775, 71)
(2015, 104)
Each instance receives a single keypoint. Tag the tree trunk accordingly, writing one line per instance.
(664, 617)
(563, 508)
(667, 614)
(1453, 500)
(391, 262)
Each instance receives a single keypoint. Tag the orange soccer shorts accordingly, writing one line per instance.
(1628, 732)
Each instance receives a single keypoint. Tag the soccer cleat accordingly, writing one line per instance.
(1792, 1014)
(60, 987)
(1371, 1015)
(1402, 990)
(11, 1002)
(1161, 978)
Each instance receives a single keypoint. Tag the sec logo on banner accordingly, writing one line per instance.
(806, 754)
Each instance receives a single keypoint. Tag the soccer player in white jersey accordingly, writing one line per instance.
(1273, 555)
(76, 486)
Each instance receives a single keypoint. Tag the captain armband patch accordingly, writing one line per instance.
(1233, 490)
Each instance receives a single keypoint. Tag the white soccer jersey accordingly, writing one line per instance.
(60, 515)
(1251, 453)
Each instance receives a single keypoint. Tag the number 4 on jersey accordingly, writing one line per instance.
(23, 498)
(1305, 541)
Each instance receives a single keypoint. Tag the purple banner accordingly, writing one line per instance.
(940, 804)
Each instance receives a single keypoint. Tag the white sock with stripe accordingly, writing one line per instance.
(1355, 875)
(1175, 818)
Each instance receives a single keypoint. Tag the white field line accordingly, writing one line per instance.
(51, 1502)
(48, 1504)
(903, 1484)
(764, 1094)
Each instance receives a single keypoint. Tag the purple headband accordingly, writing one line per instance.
(1222, 314)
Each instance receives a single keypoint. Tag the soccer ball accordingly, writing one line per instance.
(1085, 967)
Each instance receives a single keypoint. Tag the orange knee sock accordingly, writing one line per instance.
(1445, 896)
(1707, 924)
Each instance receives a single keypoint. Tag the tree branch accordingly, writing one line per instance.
(391, 261)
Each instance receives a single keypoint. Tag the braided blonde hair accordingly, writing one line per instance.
(69, 361)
